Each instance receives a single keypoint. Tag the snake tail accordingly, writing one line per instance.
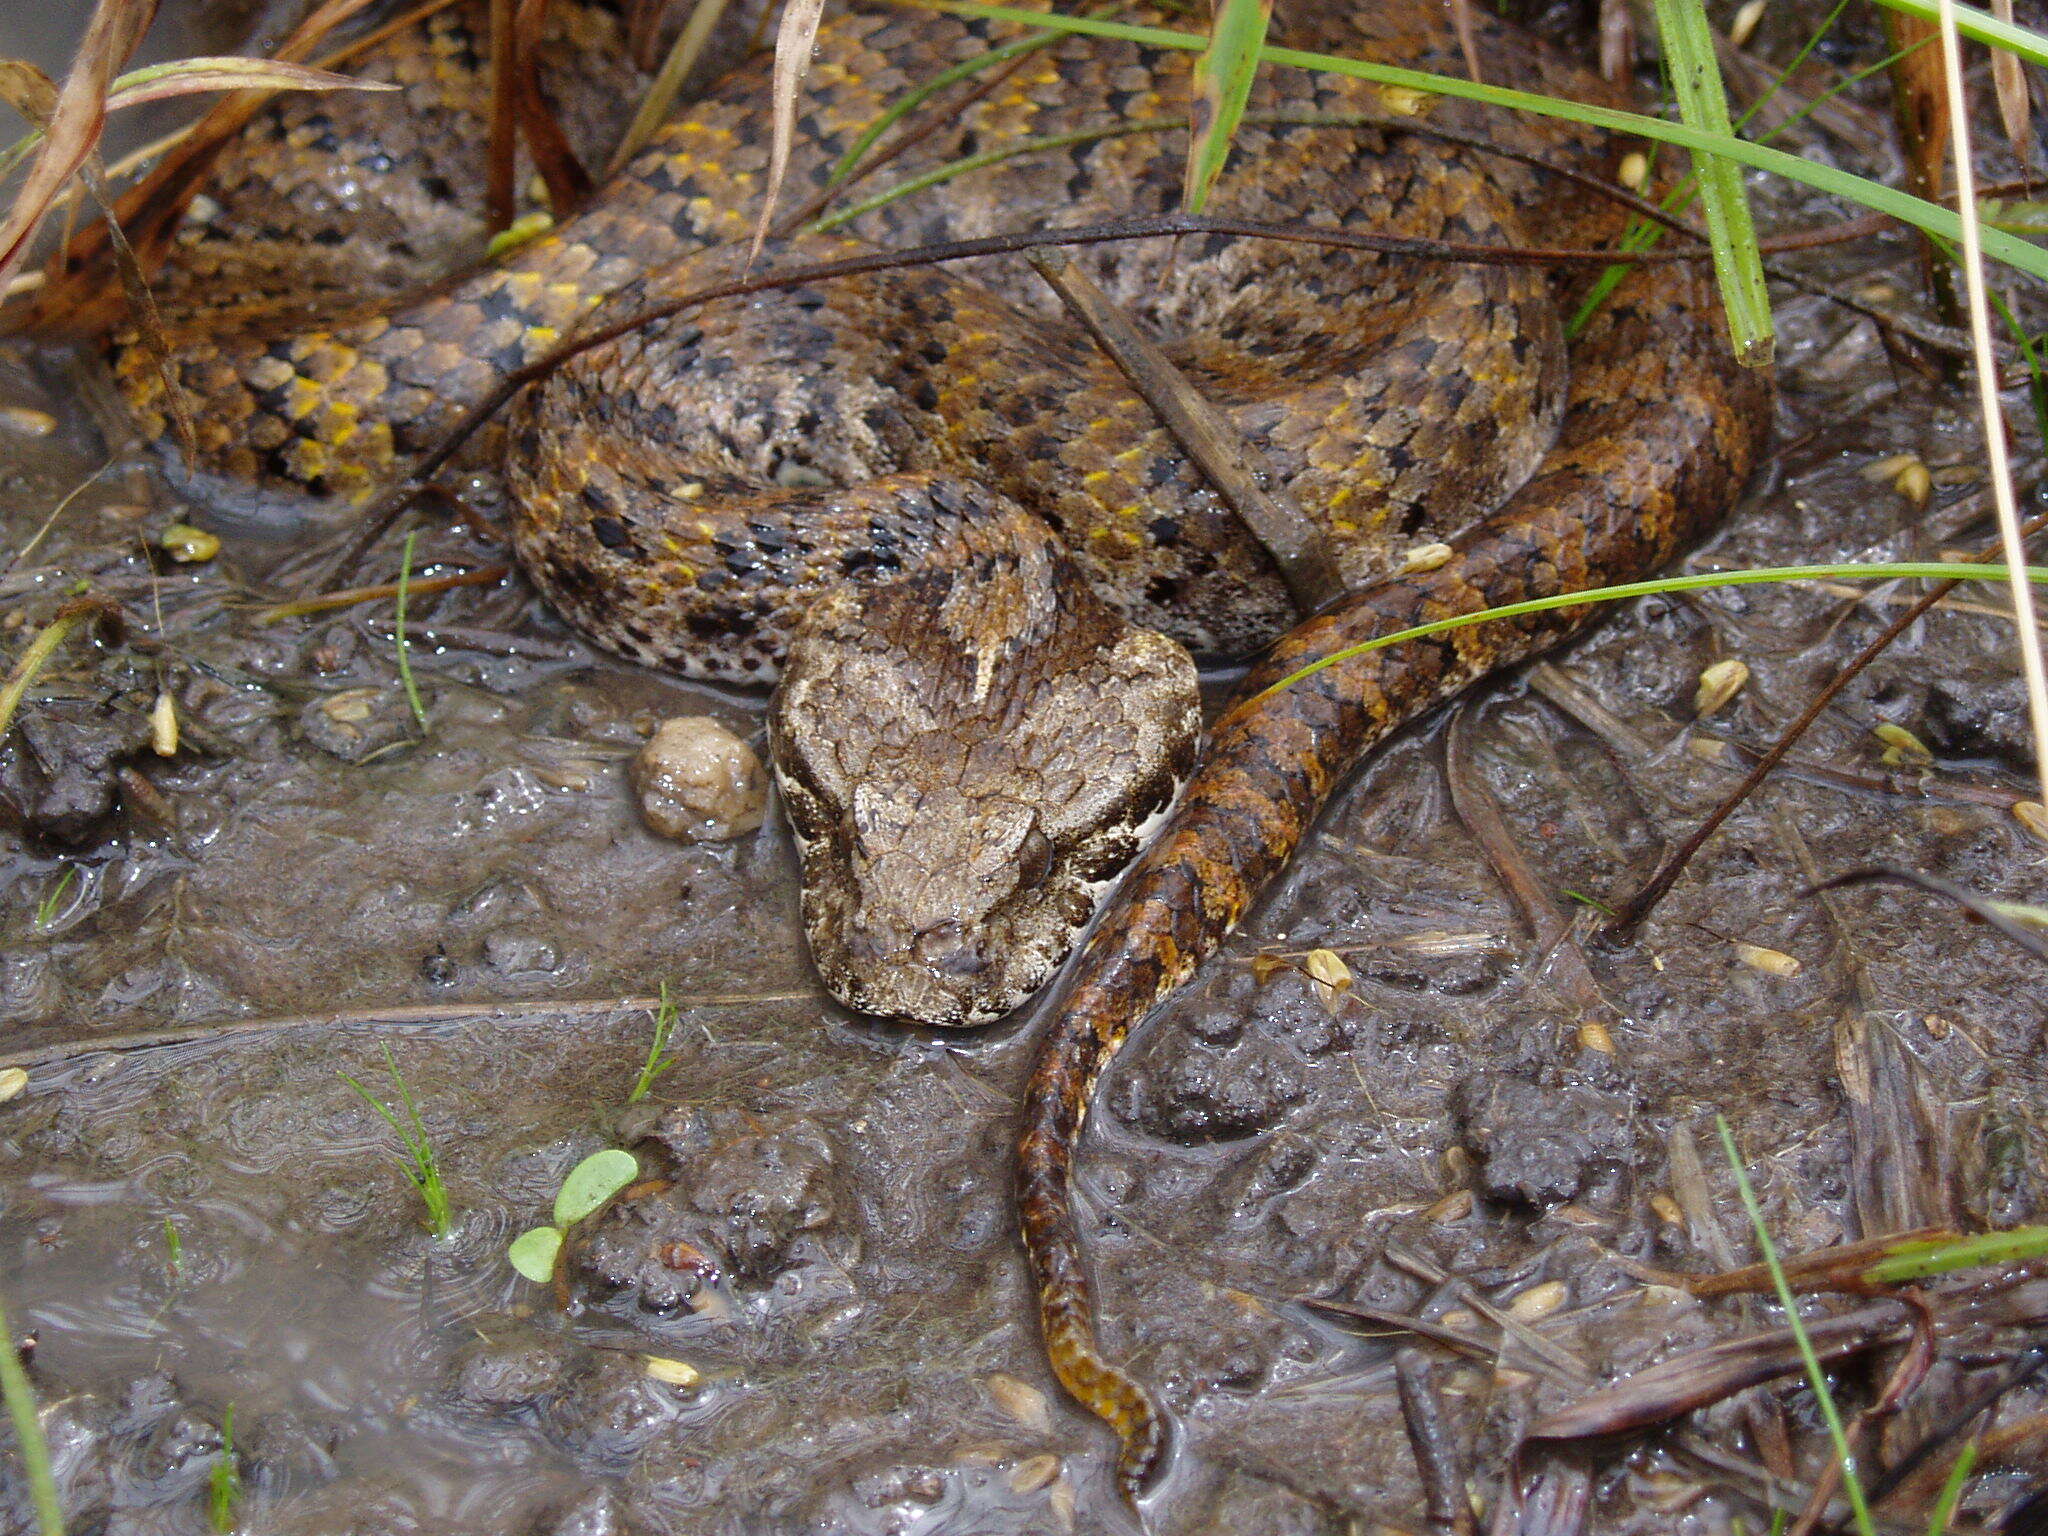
(1660, 432)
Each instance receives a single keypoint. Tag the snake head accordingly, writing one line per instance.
(968, 759)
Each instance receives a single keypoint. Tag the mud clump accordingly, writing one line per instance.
(1538, 1145)
(1192, 1096)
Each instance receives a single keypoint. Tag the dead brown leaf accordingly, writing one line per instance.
(794, 39)
(75, 118)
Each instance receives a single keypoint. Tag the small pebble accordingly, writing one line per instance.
(1772, 962)
(698, 782)
(1634, 170)
(1034, 1473)
(1539, 1301)
(13, 1080)
(188, 545)
(1743, 27)
(26, 421)
(1667, 1210)
(1718, 684)
(1020, 1400)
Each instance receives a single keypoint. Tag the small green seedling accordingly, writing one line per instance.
(52, 903)
(589, 1184)
(412, 689)
(28, 1435)
(658, 1060)
(421, 1167)
(224, 1482)
(174, 1246)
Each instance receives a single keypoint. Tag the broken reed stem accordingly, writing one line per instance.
(1230, 463)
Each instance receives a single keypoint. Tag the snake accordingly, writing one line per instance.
(928, 503)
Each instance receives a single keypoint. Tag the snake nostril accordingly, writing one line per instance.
(946, 948)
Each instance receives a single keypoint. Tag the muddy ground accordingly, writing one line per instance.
(190, 1227)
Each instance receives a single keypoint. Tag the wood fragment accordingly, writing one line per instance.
(1438, 1459)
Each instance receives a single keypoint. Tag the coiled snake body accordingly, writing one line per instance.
(970, 548)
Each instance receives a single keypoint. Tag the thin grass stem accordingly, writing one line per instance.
(658, 1060)
(1688, 39)
(1894, 571)
(421, 1165)
(1815, 1376)
(1951, 1494)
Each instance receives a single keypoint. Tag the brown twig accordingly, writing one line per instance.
(1920, 106)
(1629, 916)
(395, 1018)
(1437, 1459)
(1235, 467)
(501, 155)
(483, 576)
(568, 183)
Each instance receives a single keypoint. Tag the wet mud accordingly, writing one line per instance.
(821, 1248)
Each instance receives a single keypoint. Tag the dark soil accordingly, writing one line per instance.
(304, 884)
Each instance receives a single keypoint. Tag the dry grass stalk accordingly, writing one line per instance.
(1998, 460)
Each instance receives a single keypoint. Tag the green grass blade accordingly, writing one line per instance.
(1900, 570)
(1688, 40)
(1815, 1376)
(1952, 1490)
(28, 1435)
(1642, 235)
(1873, 195)
(1941, 1256)
(1981, 25)
(224, 1481)
(1222, 85)
(421, 1165)
(658, 1059)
